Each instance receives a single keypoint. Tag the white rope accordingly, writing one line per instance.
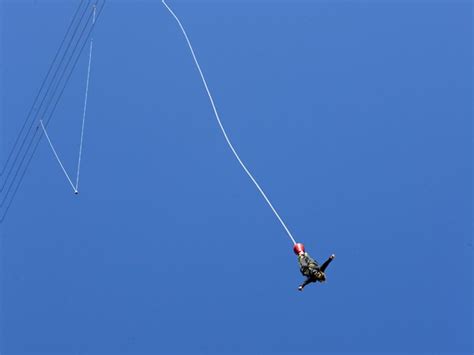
(85, 106)
(76, 187)
(57, 157)
(222, 127)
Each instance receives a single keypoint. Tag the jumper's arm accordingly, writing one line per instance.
(327, 262)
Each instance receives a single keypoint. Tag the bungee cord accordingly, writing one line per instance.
(229, 143)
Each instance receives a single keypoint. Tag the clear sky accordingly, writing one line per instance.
(355, 117)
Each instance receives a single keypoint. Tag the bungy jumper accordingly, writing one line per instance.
(308, 266)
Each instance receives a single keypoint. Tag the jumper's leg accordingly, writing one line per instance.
(307, 281)
(326, 263)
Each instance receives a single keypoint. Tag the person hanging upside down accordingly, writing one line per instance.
(309, 267)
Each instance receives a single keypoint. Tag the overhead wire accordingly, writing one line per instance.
(8, 198)
(40, 106)
(54, 91)
(55, 87)
(35, 145)
(5, 165)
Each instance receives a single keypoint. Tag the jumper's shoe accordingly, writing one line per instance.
(300, 288)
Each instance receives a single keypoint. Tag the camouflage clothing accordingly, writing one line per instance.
(310, 268)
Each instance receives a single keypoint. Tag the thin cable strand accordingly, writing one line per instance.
(56, 155)
(85, 107)
(222, 127)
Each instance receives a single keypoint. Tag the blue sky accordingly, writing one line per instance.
(355, 117)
